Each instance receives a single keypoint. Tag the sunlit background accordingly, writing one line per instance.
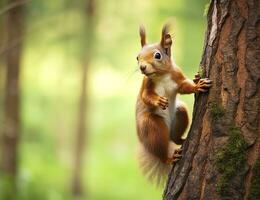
(57, 45)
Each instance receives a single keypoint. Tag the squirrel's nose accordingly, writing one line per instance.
(142, 67)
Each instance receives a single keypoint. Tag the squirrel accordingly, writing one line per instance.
(161, 119)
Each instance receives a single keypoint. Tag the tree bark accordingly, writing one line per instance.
(223, 144)
(82, 127)
(10, 138)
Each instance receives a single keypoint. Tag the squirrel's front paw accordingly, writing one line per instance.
(162, 102)
(203, 85)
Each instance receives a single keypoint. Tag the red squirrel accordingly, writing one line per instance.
(161, 118)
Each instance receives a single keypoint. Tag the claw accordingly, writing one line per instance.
(202, 90)
(179, 150)
(177, 155)
(172, 161)
(163, 102)
(204, 84)
(208, 81)
(207, 85)
(175, 160)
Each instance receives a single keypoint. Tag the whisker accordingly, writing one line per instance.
(131, 73)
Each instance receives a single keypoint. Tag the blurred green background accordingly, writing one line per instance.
(55, 44)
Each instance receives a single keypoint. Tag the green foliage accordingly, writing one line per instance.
(50, 83)
(230, 159)
(216, 110)
(255, 185)
(7, 187)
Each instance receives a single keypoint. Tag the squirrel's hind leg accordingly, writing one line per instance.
(154, 135)
(180, 124)
(174, 152)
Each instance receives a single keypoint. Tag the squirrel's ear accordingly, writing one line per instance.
(166, 40)
(142, 35)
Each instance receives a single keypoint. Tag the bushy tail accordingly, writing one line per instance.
(155, 170)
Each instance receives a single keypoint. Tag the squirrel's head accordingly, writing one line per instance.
(155, 59)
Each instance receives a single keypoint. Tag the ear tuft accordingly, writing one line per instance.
(165, 29)
(166, 40)
(142, 35)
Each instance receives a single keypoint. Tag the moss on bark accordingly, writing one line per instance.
(255, 187)
(217, 111)
(230, 160)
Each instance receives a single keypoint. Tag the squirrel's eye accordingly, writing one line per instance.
(157, 56)
(137, 58)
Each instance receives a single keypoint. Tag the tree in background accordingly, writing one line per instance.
(2, 69)
(221, 153)
(14, 28)
(82, 112)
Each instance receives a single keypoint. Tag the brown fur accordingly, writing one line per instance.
(154, 135)
(153, 131)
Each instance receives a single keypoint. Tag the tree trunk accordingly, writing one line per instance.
(221, 154)
(14, 29)
(80, 137)
(82, 129)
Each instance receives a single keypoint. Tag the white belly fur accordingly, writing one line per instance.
(166, 87)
